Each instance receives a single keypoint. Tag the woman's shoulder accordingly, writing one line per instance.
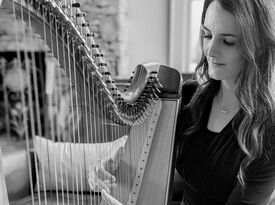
(188, 89)
(190, 84)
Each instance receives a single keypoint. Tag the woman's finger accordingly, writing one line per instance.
(109, 199)
(111, 164)
(104, 175)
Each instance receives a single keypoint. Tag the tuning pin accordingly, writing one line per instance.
(76, 5)
(154, 72)
(98, 55)
(106, 75)
(80, 18)
(113, 89)
(89, 37)
(95, 46)
(84, 25)
(84, 28)
(111, 83)
(103, 64)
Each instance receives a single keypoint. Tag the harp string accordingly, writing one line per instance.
(93, 115)
(83, 109)
(86, 130)
(27, 106)
(81, 136)
(37, 109)
(76, 166)
(72, 127)
(29, 65)
(92, 110)
(66, 68)
(48, 91)
(37, 125)
(120, 192)
(60, 104)
(96, 124)
(89, 122)
(63, 93)
(115, 136)
(53, 124)
(103, 133)
(75, 119)
(128, 168)
(58, 101)
(3, 64)
(52, 103)
(50, 67)
(79, 114)
(71, 134)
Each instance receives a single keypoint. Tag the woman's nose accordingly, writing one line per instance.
(213, 48)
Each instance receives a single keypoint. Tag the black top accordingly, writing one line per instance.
(209, 163)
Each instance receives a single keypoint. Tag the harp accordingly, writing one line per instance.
(59, 100)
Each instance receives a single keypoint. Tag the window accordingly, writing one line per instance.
(195, 51)
(184, 50)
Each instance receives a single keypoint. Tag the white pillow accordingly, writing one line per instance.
(64, 165)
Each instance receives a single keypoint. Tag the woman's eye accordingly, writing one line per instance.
(229, 43)
(208, 36)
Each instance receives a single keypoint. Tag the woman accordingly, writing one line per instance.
(226, 126)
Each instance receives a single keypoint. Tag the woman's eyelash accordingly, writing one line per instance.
(209, 36)
(229, 43)
(206, 35)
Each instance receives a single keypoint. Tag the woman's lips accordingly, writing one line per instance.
(213, 62)
(217, 64)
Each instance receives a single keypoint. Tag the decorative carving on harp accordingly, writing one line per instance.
(58, 98)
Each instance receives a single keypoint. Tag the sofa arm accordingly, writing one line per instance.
(3, 188)
(16, 169)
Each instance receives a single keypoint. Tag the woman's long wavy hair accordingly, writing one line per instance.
(255, 83)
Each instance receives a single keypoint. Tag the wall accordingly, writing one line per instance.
(106, 19)
(129, 32)
(148, 32)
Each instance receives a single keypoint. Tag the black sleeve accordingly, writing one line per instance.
(187, 92)
(260, 181)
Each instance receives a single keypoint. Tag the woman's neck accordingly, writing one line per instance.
(226, 97)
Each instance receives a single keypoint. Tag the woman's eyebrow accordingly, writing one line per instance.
(222, 34)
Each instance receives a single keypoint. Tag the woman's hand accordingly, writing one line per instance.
(100, 177)
(111, 164)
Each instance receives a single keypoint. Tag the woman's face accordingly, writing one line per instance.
(221, 35)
